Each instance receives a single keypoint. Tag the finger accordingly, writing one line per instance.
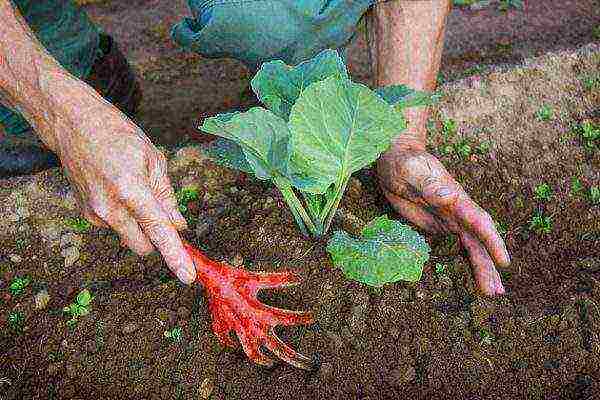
(415, 213)
(158, 227)
(486, 276)
(481, 225)
(286, 353)
(289, 317)
(128, 229)
(163, 191)
(87, 211)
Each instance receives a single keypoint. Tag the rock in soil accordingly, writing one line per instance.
(206, 388)
(129, 328)
(15, 258)
(71, 238)
(401, 375)
(71, 255)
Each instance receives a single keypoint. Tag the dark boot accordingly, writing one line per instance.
(112, 77)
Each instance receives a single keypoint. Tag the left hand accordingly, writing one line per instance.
(421, 190)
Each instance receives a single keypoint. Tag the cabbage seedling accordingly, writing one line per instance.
(317, 128)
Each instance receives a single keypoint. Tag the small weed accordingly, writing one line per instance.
(174, 334)
(576, 186)
(78, 224)
(484, 147)
(501, 227)
(540, 223)
(596, 32)
(79, 308)
(449, 128)
(590, 82)
(589, 134)
(543, 192)
(17, 285)
(440, 268)
(544, 113)
(463, 148)
(594, 195)
(185, 195)
(506, 4)
(16, 320)
(485, 337)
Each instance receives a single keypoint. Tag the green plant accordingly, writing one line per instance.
(317, 129)
(463, 148)
(16, 320)
(18, 284)
(485, 337)
(544, 113)
(540, 223)
(501, 227)
(576, 186)
(449, 128)
(543, 192)
(440, 268)
(506, 4)
(590, 82)
(79, 308)
(594, 195)
(596, 32)
(387, 251)
(174, 334)
(185, 195)
(590, 135)
(484, 147)
(78, 224)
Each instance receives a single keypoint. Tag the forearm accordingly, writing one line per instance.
(31, 80)
(406, 39)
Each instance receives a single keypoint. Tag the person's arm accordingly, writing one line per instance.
(117, 174)
(406, 40)
(31, 80)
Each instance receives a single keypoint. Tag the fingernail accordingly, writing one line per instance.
(185, 276)
(443, 192)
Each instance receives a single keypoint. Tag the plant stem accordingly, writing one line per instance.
(331, 207)
(300, 214)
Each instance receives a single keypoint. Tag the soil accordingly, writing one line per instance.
(437, 338)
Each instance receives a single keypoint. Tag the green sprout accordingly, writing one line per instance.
(501, 227)
(544, 113)
(540, 223)
(440, 268)
(576, 186)
(79, 308)
(485, 337)
(448, 128)
(16, 320)
(78, 224)
(590, 82)
(174, 334)
(594, 195)
(590, 135)
(463, 148)
(17, 285)
(185, 195)
(484, 147)
(543, 192)
(596, 32)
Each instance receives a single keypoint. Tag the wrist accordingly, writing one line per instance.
(414, 137)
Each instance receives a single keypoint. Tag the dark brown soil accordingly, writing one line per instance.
(434, 339)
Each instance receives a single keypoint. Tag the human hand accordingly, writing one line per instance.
(421, 190)
(120, 180)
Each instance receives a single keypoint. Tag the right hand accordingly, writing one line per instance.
(120, 180)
